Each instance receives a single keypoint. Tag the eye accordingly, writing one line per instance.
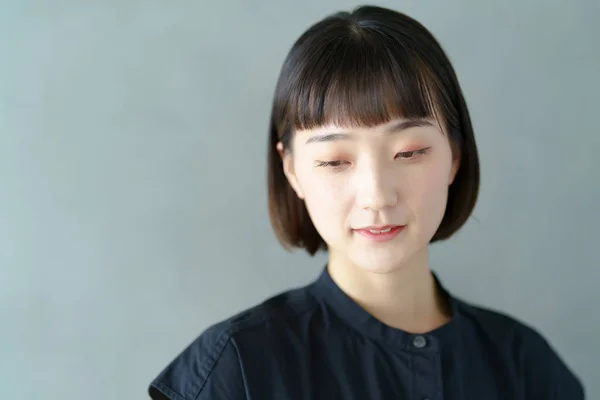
(410, 155)
(336, 164)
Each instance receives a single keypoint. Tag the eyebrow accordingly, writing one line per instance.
(394, 128)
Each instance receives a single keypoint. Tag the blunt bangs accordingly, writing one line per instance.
(356, 75)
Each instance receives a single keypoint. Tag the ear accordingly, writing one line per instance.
(454, 170)
(288, 169)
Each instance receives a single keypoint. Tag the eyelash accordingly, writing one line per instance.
(338, 163)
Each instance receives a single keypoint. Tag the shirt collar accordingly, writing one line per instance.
(353, 314)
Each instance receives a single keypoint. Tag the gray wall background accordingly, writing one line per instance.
(132, 178)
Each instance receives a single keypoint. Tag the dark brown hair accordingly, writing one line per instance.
(365, 68)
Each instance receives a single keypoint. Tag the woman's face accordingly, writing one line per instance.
(376, 195)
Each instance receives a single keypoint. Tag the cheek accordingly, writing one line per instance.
(326, 200)
(427, 195)
(428, 183)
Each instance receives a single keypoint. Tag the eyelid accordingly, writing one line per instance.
(342, 163)
(421, 151)
(328, 163)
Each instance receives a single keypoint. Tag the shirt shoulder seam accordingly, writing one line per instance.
(226, 335)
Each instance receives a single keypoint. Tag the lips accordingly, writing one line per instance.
(380, 233)
(385, 230)
(378, 228)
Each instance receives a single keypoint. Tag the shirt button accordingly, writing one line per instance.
(419, 342)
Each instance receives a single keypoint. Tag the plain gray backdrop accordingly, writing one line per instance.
(133, 189)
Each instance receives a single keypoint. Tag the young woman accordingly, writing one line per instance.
(371, 158)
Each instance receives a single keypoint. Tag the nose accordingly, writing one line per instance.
(375, 188)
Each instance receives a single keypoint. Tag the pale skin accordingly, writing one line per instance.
(397, 173)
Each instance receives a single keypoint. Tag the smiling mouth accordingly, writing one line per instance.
(380, 233)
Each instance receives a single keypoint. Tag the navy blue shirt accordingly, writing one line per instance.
(316, 343)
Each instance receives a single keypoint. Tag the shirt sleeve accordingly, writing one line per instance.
(566, 384)
(547, 375)
(209, 368)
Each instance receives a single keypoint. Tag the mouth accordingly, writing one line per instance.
(380, 233)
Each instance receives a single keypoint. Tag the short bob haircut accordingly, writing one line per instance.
(365, 68)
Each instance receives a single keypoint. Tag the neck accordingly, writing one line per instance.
(405, 298)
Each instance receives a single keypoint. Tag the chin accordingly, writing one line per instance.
(381, 263)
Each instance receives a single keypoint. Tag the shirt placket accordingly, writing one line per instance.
(427, 379)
